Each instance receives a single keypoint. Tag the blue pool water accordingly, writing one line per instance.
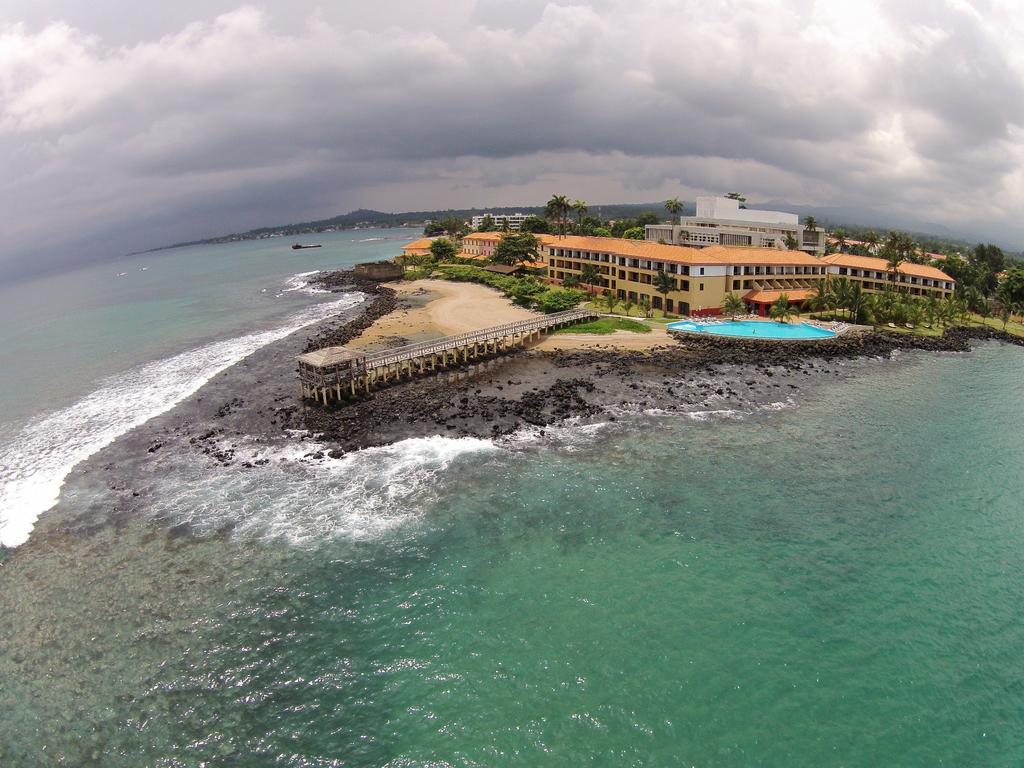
(754, 329)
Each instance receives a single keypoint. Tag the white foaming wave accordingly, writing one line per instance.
(572, 434)
(724, 413)
(371, 239)
(35, 464)
(298, 282)
(781, 405)
(303, 496)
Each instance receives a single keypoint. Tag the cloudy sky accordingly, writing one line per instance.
(127, 125)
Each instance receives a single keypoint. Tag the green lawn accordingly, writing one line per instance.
(607, 325)
(919, 330)
(1016, 327)
(636, 311)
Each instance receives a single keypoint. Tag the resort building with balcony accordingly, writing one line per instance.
(514, 220)
(480, 246)
(874, 275)
(481, 243)
(701, 277)
(721, 221)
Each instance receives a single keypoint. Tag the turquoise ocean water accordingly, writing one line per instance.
(837, 582)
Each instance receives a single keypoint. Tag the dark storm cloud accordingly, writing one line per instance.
(201, 124)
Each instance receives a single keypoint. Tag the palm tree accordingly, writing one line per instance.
(580, 206)
(840, 237)
(733, 305)
(780, 309)
(893, 259)
(627, 305)
(932, 310)
(821, 299)
(870, 307)
(664, 284)
(811, 223)
(841, 291)
(557, 210)
(871, 238)
(855, 296)
(590, 275)
(1003, 312)
(915, 311)
(645, 305)
(897, 249)
(609, 300)
(674, 207)
(947, 312)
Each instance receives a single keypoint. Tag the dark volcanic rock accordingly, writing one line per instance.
(535, 391)
(383, 302)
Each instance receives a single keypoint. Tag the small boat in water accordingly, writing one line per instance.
(299, 246)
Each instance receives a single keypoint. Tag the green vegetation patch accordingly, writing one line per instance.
(607, 325)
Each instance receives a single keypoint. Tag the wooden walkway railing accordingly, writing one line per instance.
(423, 357)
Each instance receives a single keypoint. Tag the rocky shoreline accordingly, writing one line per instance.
(255, 404)
(531, 389)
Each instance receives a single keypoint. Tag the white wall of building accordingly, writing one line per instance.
(729, 209)
(515, 220)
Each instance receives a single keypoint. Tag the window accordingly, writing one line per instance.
(702, 272)
(701, 287)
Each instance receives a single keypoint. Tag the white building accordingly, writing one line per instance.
(721, 221)
(515, 220)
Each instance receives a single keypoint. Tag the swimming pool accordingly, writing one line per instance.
(754, 329)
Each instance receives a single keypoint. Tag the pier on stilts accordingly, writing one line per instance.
(337, 373)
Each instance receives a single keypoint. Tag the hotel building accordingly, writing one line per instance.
(721, 221)
(419, 247)
(874, 275)
(481, 243)
(515, 220)
(701, 277)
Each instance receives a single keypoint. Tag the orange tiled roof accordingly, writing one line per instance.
(647, 249)
(727, 254)
(881, 265)
(484, 237)
(767, 297)
(423, 242)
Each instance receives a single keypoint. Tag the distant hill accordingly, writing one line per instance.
(828, 217)
(365, 218)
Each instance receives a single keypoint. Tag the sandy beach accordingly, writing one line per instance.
(431, 308)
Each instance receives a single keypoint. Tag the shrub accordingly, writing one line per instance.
(559, 300)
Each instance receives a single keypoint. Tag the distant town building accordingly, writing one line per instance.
(721, 221)
(515, 220)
